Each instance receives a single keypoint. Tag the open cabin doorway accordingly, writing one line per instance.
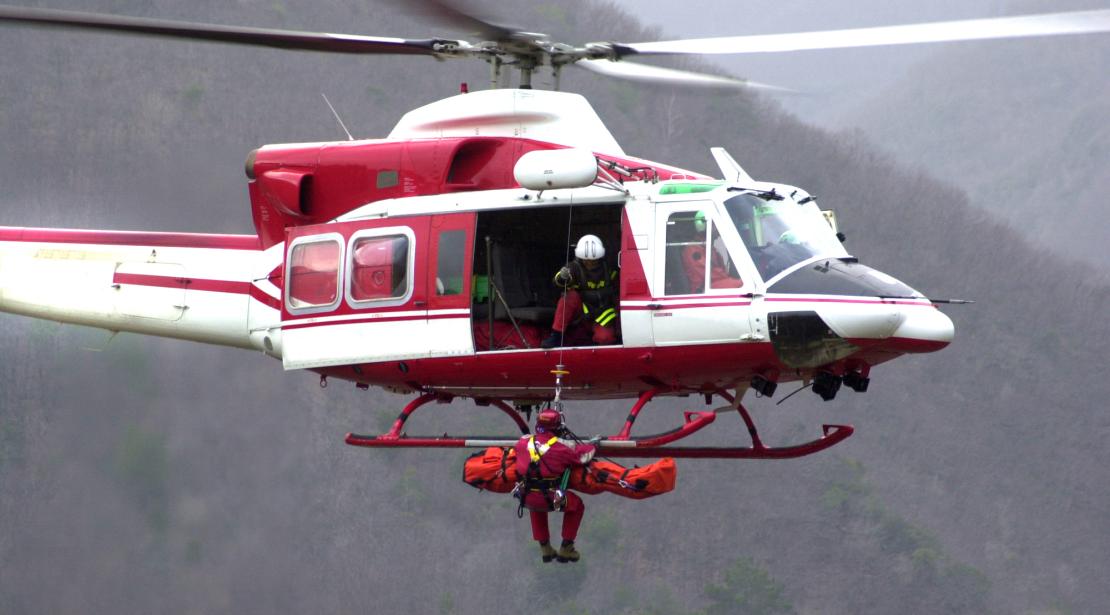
(517, 253)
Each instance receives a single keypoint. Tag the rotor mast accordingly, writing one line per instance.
(526, 52)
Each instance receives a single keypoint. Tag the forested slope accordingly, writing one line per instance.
(1023, 127)
(139, 474)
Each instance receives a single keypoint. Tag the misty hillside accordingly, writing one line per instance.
(1022, 127)
(142, 475)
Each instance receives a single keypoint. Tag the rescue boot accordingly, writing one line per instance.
(567, 552)
(555, 340)
(547, 552)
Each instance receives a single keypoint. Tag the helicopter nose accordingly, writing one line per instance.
(912, 328)
(925, 330)
(872, 322)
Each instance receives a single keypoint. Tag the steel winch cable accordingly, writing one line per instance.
(566, 287)
(560, 369)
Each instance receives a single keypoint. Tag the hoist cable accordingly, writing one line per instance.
(566, 288)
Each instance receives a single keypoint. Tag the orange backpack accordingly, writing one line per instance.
(493, 469)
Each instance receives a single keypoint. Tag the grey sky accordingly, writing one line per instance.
(834, 81)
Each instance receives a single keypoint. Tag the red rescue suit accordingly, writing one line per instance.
(590, 293)
(693, 262)
(555, 457)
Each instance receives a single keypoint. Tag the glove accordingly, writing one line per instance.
(563, 275)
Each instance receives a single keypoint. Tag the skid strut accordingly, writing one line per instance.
(623, 444)
(397, 438)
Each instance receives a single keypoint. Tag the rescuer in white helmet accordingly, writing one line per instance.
(590, 298)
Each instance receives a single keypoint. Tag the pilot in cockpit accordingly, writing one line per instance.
(694, 257)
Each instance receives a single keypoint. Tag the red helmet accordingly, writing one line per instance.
(549, 420)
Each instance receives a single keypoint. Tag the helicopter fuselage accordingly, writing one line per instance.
(419, 263)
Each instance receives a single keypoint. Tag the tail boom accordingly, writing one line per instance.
(199, 287)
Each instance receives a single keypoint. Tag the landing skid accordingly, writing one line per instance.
(623, 444)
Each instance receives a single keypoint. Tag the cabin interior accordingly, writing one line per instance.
(516, 255)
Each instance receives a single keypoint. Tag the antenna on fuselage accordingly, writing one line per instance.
(337, 118)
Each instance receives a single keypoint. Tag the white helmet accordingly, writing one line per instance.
(589, 248)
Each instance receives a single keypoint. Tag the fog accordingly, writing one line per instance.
(987, 117)
(139, 474)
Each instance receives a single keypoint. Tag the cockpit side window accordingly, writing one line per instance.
(696, 257)
(686, 253)
(722, 269)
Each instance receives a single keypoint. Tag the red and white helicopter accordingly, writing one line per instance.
(422, 262)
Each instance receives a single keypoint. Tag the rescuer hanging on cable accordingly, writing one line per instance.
(590, 297)
(544, 462)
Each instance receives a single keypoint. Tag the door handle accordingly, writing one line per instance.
(655, 306)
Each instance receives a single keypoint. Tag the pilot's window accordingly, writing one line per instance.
(314, 274)
(722, 269)
(379, 268)
(686, 253)
(451, 254)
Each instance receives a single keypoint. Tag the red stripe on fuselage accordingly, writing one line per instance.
(682, 306)
(368, 319)
(922, 303)
(260, 295)
(899, 345)
(130, 238)
(201, 284)
(160, 281)
(673, 303)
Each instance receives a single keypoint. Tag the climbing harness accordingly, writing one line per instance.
(554, 489)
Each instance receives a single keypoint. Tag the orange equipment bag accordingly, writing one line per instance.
(636, 483)
(493, 469)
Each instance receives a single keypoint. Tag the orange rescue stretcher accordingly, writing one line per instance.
(494, 469)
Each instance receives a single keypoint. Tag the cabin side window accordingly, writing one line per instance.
(313, 274)
(379, 267)
(450, 263)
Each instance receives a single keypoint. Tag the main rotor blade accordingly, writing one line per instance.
(1048, 24)
(452, 13)
(657, 74)
(265, 37)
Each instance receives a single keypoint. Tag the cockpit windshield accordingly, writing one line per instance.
(781, 233)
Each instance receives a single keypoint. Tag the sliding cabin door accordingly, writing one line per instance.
(376, 290)
(450, 260)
